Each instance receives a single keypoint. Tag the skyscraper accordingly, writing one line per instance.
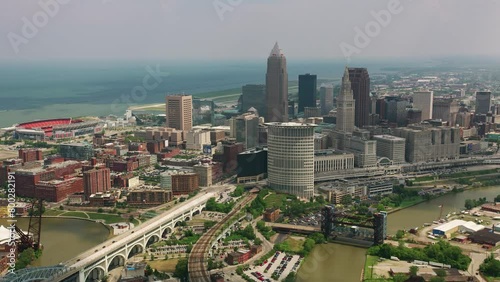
(360, 85)
(483, 102)
(345, 105)
(276, 86)
(179, 111)
(307, 91)
(326, 98)
(254, 95)
(290, 158)
(423, 100)
(96, 180)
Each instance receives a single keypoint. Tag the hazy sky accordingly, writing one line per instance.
(175, 29)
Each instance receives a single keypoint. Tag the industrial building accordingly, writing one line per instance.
(332, 160)
(447, 229)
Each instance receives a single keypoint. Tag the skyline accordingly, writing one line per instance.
(172, 29)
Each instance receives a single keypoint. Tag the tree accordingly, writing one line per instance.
(257, 241)
(100, 210)
(440, 272)
(166, 257)
(413, 270)
(400, 234)
(181, 269)
(61, 207)
(399, 277)
(346, 200)
(152, 257)
(290, 277)
(490, 267)
(437, 279)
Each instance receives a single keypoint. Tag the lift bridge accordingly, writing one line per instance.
(336, 223)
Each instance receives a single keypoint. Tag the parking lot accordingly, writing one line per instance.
(280, 264)
(311, 220)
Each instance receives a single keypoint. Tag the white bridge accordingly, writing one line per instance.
(94, 264)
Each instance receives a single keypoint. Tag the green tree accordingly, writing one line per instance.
(400, 234)
(437, 279)
(440, 272)
(346, 200)
(290, 277)
(61, 207)
(152, 257)
(100, 210)
(399, 277)
(181, 269)
(257, 241)
(413, 270)
(490, 267)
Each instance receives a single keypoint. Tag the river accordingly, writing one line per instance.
(64, 238)
(342, 263)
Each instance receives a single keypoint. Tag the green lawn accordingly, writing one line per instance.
(75, 214)
(53, 212)
(274, 200)
(295, 245)
(370, 261)
(410, 202)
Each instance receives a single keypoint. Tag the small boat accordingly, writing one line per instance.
(428, 224)
(431, 237)
(435, 222)
(496, 218)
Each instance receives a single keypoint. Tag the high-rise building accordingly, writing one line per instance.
(345, 105)
(76, 151)
(445, 110)
(396, 110)
(254, 95)
(96, 180)
(246, 128)
(179, 112)
(483, 102)
(290, 161)
(423, 100)
(307, 91)
(326, 98)
(276, 87)
(360, 85)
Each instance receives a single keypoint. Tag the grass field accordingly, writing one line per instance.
(274, 200)
(75, 214)
(53, 212)
(294, 244)
(163, 265)
(370, 261)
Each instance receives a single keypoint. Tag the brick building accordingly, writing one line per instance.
(30, 155)
(184, 183)
(58, 190)
(96, 180)
(148, 197)
(271, 214)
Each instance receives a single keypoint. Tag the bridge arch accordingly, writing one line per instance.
(384, 161)
(152, 239)
(96, 274)
(196, 212)
(187, 218)
(166, 231)
(116, 261)
(136, 249)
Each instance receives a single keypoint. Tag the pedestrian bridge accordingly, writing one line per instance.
(94, 264)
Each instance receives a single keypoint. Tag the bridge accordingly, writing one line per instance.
(94, 264)
(299, 229)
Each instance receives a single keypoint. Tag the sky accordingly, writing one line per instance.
(246, 29)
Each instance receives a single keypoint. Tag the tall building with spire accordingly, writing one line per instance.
(345, 105)
(360, 85)
(276, 86)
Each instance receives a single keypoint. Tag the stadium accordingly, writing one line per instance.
(60, 128)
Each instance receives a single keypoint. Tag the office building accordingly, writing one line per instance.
(330, 160)
(252, 165)
(360, 85)
(396, 110)
(96, 180)
(483, 102)
(312, 112)
(291, 158)
(413, 116)
(197, 138)
(427, 143)
(276, 86)
(254, 95)
(364, 150)
(179, 112)
(326, 98)
(76, 151)
(445, 110)
(345, 106)
(307, 91)
(184, 183)
(391, 147)
(246, 128)
(423, 100)
(148, 197)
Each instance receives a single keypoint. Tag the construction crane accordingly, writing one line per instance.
(32, 238)
(440, 212)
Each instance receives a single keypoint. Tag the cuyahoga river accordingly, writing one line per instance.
(65, 238)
